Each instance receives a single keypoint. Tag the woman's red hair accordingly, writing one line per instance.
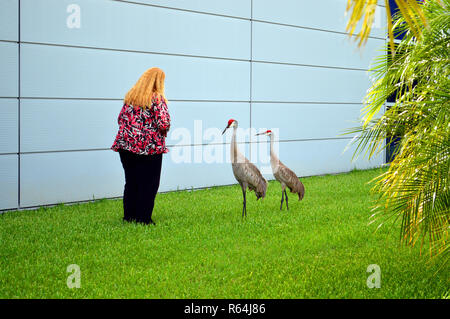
(150, 83)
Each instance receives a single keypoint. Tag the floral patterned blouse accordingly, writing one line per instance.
(143, 131)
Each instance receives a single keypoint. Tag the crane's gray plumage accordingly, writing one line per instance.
(246, 173)
(284, 175)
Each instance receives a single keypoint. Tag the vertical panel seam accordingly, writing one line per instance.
(18, 106)
(251, 73)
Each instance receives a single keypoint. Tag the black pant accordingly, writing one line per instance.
(142, 174)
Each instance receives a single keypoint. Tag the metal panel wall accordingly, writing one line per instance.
(9, 20)
(72, 72)
(292, 83)
(136, 28)
(234, 8)
(9, 121)
(55, 177)
(285, 44)
(200, 119)
(327, 15)
(305, 121)
(286, 65)
(63, 125)
(9, 69)
(9, 106)
(9, 196)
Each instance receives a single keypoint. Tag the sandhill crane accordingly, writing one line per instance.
(283, 174)
(247, 174)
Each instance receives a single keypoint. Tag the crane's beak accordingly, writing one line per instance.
(260, 133)
(225, 130)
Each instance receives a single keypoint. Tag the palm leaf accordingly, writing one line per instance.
(416, 187)
(364, 11)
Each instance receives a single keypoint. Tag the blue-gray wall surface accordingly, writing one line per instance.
(285, 64)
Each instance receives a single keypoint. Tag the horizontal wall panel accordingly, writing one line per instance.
(9, 122)
(64, 72)
(9, 20)
(135, 27)
(324, 14)
(55, 125)
(290, 83)
(203, 122)
(235, 8)
(304, 121)
(9, 69)
(50, 178)
(278, 43)
(186, 167)
(9, 181)
(308, 158)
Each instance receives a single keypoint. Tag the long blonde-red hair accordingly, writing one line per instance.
(150, 83)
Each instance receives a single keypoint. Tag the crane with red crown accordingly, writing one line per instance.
(283, 174)
(246, 173)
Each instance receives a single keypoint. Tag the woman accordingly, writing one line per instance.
(143, 124)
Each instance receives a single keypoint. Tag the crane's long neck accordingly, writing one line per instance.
(272, 152)
(273, 157)
(234, 148)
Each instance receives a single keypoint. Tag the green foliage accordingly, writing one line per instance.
(202, 248)
(415, 188)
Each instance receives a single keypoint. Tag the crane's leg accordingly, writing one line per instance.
(244, 204)
(287, 206)
(282, 198)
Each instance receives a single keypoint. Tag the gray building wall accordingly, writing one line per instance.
(286, 65)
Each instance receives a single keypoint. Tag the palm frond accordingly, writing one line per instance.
(416, 186)
(363, 11)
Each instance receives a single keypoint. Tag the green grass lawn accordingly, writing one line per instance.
(202, 248)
